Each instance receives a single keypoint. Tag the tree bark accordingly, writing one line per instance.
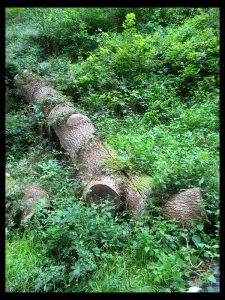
(77, 135)
(35, 196)
(185, 207)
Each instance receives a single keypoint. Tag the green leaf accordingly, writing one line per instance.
(75, 274)
(146, 249)
(196, 239)
(200, 226)
(201, 180)
(201, 245)
(211, 278)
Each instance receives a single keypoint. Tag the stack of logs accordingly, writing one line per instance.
(77, 135)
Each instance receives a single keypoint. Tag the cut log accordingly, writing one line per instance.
(185, 207)
(104, 187)
(77, 135)
(35, 197)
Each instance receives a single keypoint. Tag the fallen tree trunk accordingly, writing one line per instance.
(78, 137)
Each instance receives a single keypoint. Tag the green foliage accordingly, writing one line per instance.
(134, 72)
(22, 255)
(76, 254)
(38, 165)
(173, 156)
(41, 164)
(73, 31)
(149, 80)
(170, 81)
(20, 130)
(88, 246)
(15, 13)
(78, 237)
(22, 52)
(62, 30)
(129, 22)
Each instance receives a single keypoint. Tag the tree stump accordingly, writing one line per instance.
(35, 198)
(185, 207)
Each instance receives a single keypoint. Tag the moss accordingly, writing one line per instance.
(47, 101)
(142, 182)
(115, 161)
(59, 118)
(8, 183)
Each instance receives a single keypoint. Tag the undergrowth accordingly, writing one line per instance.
(148, 78)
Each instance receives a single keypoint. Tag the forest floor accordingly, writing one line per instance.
(152, 92)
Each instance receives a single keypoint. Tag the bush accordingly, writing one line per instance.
(78, 237)
(82, 241)
(74, 31)
(19, 134)
(22, 51)
(21, 127)
(15, 13)
(136, 72)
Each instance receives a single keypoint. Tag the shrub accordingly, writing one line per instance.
(130, 72)
(22, 51)
(73, 31)
(79, 236)
(19, 132)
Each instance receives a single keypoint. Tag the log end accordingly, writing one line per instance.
(77, 119)
(102, 189)
(33, 196)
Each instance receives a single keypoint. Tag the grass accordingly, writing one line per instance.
(8, 183)
(22, 256)
(121, 275)
(125, 274)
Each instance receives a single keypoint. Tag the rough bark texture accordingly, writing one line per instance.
(185, 207)
(78, 137)
(34, 196)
